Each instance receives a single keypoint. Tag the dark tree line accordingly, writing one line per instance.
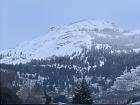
(60, 72)
(7, 96)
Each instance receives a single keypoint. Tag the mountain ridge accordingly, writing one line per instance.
(71, 38)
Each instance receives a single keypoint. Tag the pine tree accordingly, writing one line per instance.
(82, 94)
(48, 98)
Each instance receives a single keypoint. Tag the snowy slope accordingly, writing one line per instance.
(70, 38)
(128, 81)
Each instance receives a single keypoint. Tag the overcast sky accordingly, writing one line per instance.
(22, 20)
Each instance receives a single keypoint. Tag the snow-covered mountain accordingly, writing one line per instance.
(107, 56)
(71, 38)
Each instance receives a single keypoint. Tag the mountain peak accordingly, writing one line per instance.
(94, 22)
(68, 39)
(86, 24)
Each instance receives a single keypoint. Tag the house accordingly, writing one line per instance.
(135, 103)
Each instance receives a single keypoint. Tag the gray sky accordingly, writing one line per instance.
(22, 20)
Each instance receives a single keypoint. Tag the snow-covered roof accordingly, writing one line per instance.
(136, 103)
